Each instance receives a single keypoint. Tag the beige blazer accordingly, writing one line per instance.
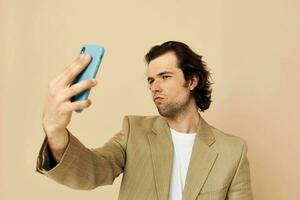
(143, 152)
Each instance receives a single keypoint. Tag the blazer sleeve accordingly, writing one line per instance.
(83, 168)
(240, 187)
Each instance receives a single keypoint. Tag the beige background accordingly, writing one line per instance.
(251, 47)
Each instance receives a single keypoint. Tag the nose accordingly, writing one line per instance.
(155, 86)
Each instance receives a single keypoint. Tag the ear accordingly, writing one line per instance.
(193, 82)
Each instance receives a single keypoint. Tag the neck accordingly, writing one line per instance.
(186, 121)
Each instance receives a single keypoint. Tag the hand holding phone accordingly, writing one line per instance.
(96, 52)
(58, 107)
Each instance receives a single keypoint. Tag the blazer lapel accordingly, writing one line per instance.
(201, 162)
(161, 148)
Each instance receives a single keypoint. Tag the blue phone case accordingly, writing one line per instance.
(96, 52)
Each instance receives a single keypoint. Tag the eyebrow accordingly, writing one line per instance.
(160, 74)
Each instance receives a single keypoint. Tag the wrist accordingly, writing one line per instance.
(58, 143)
(52, 131)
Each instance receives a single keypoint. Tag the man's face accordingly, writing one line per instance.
(170, 91)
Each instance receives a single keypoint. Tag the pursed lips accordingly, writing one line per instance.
(157, 98)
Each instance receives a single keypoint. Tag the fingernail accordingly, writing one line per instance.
(81, 55)
(86, 57)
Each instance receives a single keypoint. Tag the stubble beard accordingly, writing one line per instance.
(174, 109)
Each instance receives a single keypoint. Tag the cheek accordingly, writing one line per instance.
(169, 88)
(175, 91)
(172, 84)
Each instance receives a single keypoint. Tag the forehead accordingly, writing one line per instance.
(166, 62)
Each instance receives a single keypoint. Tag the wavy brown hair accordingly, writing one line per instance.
(191, 65)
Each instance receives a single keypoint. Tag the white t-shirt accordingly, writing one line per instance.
(183, 145)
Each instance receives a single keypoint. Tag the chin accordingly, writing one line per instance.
(166, 113)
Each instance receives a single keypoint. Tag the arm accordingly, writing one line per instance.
(58, 107)
(83, 168)
(240, 188)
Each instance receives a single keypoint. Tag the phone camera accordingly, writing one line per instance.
(82, 50)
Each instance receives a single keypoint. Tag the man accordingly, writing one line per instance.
(176, 155)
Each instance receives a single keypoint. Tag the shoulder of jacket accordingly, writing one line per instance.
(227, 139)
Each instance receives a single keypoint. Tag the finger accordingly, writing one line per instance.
(63, 73)
(78, 87)
(71, 72)
(72, 106)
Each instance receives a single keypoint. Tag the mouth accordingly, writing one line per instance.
(158, 99)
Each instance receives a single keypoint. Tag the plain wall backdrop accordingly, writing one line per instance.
(251, 47)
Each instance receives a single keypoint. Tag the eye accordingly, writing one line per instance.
(150, 82)
(165, 77)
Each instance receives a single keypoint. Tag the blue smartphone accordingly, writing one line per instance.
(96, 52)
